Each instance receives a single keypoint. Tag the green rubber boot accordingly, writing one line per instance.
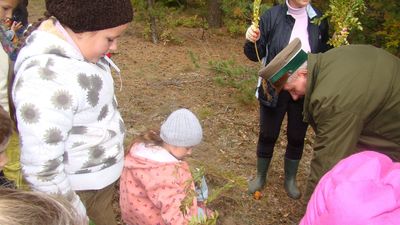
(291, 167)
(258, 183)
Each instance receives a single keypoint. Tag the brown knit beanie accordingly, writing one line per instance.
(91, 15)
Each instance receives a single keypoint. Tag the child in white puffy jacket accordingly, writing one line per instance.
(71, 131)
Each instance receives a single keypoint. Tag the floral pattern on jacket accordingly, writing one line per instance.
(151, 191)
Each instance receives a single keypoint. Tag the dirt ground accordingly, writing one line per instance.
(158, 79)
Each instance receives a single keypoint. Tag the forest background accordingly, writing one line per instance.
(380, 20)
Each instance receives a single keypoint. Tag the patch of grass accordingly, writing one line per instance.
(224, 177)
(222, 184)
(204, 112)
(195, 59)
(236, 28)
(190, 21)
(168, 36)
(229, 74)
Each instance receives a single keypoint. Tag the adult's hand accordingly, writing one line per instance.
(253, 33)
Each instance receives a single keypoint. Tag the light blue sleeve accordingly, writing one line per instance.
(202, 191)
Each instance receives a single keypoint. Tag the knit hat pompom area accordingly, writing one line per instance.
(85, 15)
(181, 129)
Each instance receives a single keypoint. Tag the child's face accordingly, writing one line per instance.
(97, 44)
(181, 152)
(6, 8)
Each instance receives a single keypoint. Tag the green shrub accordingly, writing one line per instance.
(195, 59)
(344, 17)
(381, 25)
(237, 14)
(243, 79)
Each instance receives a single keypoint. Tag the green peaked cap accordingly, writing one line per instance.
(288, 60)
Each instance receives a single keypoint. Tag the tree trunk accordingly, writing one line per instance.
(153, 24)
(214, 17)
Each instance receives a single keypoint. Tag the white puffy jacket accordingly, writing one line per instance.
(71, 132)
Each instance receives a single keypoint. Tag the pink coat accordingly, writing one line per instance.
(152, 187)
(363, 189)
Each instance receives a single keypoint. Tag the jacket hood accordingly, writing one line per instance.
(143, 156)
(37, 44)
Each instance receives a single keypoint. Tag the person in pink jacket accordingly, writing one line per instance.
(362, 189)
(155, 180)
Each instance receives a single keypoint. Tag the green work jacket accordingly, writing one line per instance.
(352, 101)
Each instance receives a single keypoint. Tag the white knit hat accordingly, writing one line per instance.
(182, 129)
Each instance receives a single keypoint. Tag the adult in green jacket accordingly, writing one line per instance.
(352, 100)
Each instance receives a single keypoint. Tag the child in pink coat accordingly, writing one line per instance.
(155, 180)
(363, 189)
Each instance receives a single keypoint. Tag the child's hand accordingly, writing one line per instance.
(16, 26)
(208, 212)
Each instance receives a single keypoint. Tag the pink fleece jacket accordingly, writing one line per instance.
(152, 187)
(363, 189)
